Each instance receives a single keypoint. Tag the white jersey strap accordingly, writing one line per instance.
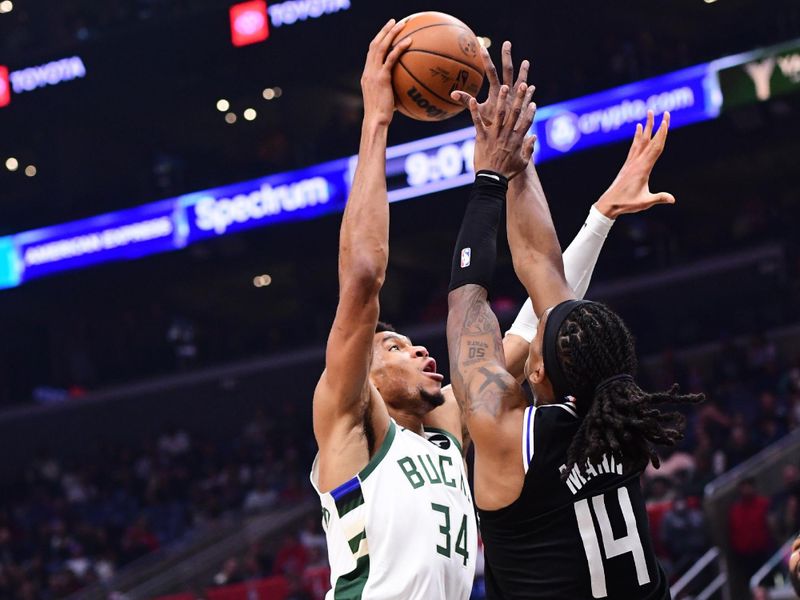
(527, 437)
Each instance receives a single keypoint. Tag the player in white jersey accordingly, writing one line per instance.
(396, 507)
(404, 527)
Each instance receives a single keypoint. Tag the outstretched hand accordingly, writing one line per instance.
(503, 146)
(488, 107)
(630, 191)
(376, 80)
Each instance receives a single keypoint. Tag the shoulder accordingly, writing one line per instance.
(547, 428)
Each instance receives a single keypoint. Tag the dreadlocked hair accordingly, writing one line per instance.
(619, 419)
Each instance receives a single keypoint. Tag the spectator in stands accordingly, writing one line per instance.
(138, 540)
(676, 464)
(174, 441)
(683, 533)
(311, 536)
(257, 563)
(784, 507)
(317, 574)
(748, 529)
(230, 573)
(740, 446)
(292, 557)
(261, 497)
(702, 475)
(296, 588)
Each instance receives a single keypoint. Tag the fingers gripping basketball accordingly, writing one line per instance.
(444, 56)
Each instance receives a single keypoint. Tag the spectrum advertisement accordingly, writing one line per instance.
(413, 169)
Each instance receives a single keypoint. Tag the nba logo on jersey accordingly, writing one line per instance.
(466, 257)
(5, 89)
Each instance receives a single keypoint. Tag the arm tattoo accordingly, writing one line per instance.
(474, 340)
(490, 378)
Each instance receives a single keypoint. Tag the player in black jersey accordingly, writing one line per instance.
(557, 483)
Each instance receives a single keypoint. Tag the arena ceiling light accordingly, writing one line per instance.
(223, 105)
(260, 281)
(6, 6)
(12, 164)
(250, 114)
(271, 93)
(30, 171)
(230, 118)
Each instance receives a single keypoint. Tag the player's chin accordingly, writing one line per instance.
(432, 395)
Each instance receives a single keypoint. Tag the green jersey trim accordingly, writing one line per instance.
(351, 586)
(380, 454)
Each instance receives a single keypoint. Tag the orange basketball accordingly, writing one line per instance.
(443, 57)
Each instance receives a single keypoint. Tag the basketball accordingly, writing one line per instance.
(444, 56)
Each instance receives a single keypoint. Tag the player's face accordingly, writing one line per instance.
(405, 374)
(534, 366)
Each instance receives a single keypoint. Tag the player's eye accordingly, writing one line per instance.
(394, 347)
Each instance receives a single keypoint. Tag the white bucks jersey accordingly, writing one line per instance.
(403, 528)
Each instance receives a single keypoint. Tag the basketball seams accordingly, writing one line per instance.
(447, 100)
(467, 29)
(442, 55)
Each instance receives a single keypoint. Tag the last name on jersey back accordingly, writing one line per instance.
(585, 536)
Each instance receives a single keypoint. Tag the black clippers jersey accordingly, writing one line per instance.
(586, 537)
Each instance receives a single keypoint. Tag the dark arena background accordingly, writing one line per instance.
(172, 177)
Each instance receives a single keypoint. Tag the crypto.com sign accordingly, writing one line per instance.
(32, 78)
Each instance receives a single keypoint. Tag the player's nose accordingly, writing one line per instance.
(420, 351)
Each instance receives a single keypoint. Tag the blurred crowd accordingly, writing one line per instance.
(753, 400)
(69, 524)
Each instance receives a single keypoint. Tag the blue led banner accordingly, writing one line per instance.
(121, 235)
(689, 95)
(414, 169)
(292, 196)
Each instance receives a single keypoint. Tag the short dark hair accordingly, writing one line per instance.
(621, 419)
(381, 327)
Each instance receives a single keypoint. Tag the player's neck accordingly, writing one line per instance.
(408, 421)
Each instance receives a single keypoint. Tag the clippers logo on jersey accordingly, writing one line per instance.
(466, 257)
(249, 23)
(5, 90)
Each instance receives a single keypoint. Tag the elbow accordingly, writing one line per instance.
(363, 279)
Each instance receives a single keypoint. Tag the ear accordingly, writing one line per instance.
(536, 370)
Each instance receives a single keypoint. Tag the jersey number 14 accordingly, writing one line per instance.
(630, 542)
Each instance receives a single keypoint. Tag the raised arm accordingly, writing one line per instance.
(531, 237)
(344, 393)
(491, 399)
(622, 197)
